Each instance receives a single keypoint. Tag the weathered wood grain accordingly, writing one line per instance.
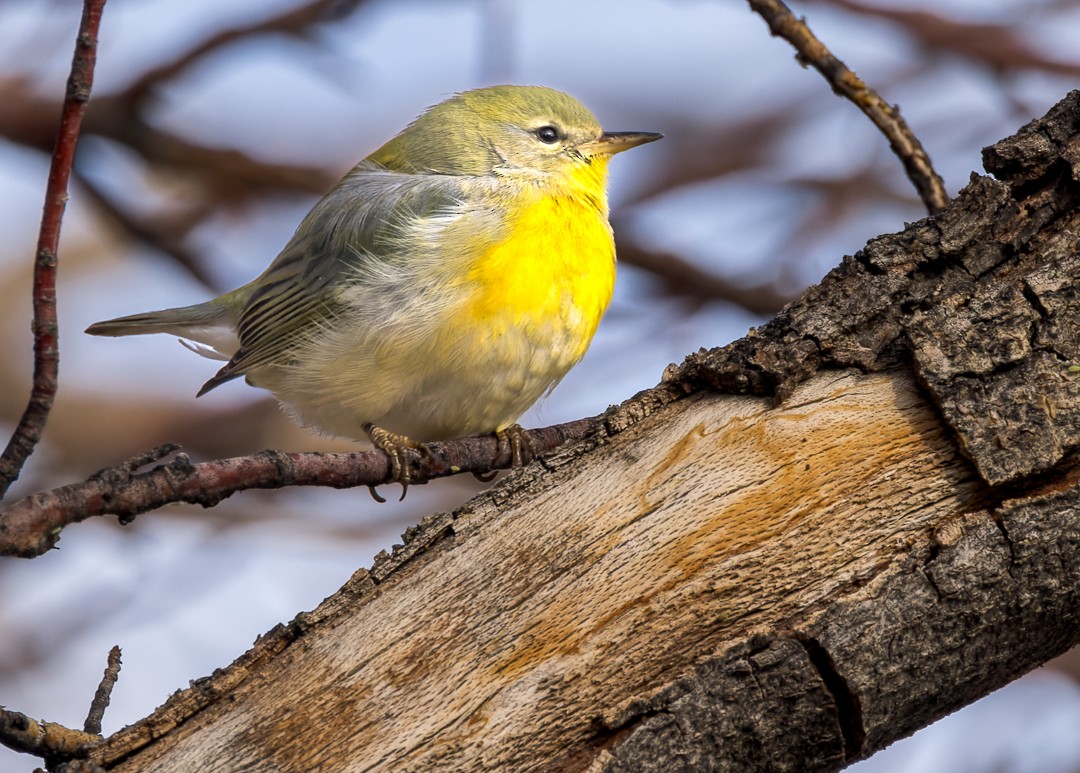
(554, 608)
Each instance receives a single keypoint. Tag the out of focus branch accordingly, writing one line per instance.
(783, 23)
(32, 525)
(681, 277)
(29, 119)
(998, 46)
(715, 151)
(226, 176)
(295, 21)
(225, 173)
(155, 233)
(46, 331)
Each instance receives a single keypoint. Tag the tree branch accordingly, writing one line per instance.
(783, 23)
(154, 234)
(103, 694)
(1000, 47)
(32, 525)
(46, 331)
(293, 21)
(55, 743)
(682, 277)
(43, 739)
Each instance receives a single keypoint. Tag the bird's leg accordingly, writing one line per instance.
(396, 447)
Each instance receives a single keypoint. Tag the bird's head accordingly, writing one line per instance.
(527, 130)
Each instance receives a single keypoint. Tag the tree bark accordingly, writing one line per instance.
(794, 551)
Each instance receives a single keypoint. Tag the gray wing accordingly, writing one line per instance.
(366, 226)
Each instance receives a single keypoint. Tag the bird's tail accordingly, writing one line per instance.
(212, 324)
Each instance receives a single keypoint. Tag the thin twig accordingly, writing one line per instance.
(103, 694)
(783, 23)
(46, 329)
(32, 525)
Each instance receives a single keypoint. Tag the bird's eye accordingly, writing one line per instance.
(548, 134)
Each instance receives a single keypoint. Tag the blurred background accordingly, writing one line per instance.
(215, 126)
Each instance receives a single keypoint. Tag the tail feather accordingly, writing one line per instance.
(212, 324)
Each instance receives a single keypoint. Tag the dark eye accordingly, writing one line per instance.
(548, 134)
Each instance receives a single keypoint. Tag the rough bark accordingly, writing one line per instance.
(721, 580)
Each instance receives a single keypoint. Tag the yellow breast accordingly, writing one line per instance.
(550, 279)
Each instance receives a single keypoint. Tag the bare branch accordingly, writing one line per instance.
(46, 330)
(154, 234)
(103, 694)
(56, 743)
(783, 23)
(43, 739)
(32, 525)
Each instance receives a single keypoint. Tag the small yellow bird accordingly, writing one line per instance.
(448, 281)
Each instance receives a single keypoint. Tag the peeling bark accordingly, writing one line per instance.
(982, 298)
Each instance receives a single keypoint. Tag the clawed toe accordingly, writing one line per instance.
(521, 447)
(521, 450)
(397, 448)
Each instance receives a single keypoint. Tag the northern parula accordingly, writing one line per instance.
(448, 281)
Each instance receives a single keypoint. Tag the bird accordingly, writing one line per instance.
(445, 284)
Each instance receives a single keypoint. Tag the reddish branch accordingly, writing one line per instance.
(32, 525)
(46, 331)
(783, 23)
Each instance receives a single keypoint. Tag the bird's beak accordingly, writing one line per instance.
(610, 143)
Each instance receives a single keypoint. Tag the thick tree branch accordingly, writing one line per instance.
(981, 297)
(46, 332)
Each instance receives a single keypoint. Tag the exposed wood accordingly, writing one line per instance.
(984, 298)
(542, 622)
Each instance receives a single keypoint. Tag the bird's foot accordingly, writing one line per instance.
(521, 447)
(521, 450)
(397, 448)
